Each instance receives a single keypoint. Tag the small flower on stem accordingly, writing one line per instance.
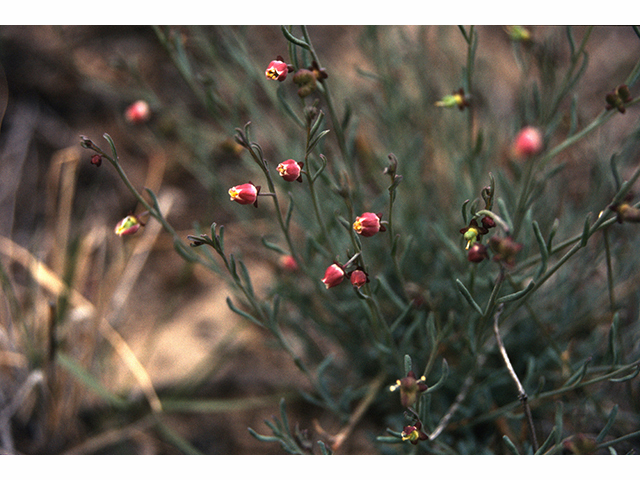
(527, 143)
(245, 194)
(278, 69)
(138, 112)
(473, 233)
(96, 160)
(288, 263)
(368, 224)
(290, 170)
(414, 433)
(505, 250)
(358, 277)
(334, 275)
(625, 212)
(518, 33)
(319, 73)
(456, 99)
(410, 387)
(128, 226)
(306, 81)
(618, 98)
(477, 253)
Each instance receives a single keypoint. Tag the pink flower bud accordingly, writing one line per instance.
(368, 224)
(127, 226)
(290, 170)
(244, 194)
(528, 142)
(288, 263)
(277, 69)
(334, 275)
(138, 112)
(358, 278)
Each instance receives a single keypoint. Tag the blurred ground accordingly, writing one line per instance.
(64, 82)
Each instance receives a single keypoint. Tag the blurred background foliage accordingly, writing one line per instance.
(119, 345)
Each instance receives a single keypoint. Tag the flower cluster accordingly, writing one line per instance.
(336, 273)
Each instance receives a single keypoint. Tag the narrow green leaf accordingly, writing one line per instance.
(287, 218)
(113, 147)
(90, 381)
(407, 364)
(293, 39)
(558, 427)
(577, 377)
(262, 438)
(510, 445)
(273, 246)
(547, 443)
(465, 293)
(586, 230)
(609, 424)
(465, 215)
(626, 378)
(243, 314)
(443, 377)
(517, 295)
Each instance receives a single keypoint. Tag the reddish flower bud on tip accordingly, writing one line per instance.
(277, 69)
(477, 253)
(96, 160)
(410, 387)
(505, 250)
(290, 170)
(527, 143)
(244, 194)
(138, 112)
(334, 275)
(358, 278)
(288, 263)
(127, 226)
(368, 224)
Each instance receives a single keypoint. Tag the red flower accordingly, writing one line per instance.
(368, 224)
(334, 275)
(245, 194)
(138, 112)
(277, 69)
(477, 253)
(505, 250)
(128, 226)
(290, 170)
(414, 433)
(528, 142)
(473, 233)
(410, 387)
(358, 278)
